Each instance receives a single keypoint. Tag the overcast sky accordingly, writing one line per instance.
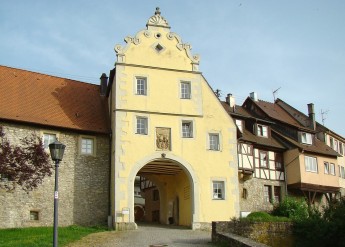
(245, 45)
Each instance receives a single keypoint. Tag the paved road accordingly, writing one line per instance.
(146, 236)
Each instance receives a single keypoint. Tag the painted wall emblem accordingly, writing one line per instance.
(163, 138)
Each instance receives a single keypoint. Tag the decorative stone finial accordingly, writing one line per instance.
(157, 20)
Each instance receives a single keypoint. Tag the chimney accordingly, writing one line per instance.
(254, 96)
(104, 82)
(311, 114)
(230, 100)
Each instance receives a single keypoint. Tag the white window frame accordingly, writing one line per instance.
(141, 89)
(268, 193)
(218, 190)
(49, 135)
(342, 172)
(185, 90)
(310, 164)
(84, 145)
(332, 168)
(141, 120)
(327, 168)
(262, 130)
(306, 138)
(263, 161)
(239, 124)
(211, 138)
(190, 132)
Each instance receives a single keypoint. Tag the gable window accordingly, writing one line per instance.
(142, 125)
(187, 129)
(306, 138)
(278, 159)
(263, 159)
(267, 193)
(87, 145)
(141, 86)
(185, 90)
(218, 190)
(47, 139)
(214, 141)
(310, 164)
(262, 130)
(239, 124)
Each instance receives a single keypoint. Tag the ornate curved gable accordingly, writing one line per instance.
(156, 46)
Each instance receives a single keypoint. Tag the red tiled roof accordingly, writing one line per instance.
(37, 98)
(276, 112)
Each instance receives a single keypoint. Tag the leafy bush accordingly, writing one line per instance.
(264, 217)
(293, 208)
(324, 228)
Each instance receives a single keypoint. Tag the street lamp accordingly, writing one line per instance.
(56, 151)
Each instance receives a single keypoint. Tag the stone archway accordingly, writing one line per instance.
(174, 179)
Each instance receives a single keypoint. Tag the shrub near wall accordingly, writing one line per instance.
(276, 234)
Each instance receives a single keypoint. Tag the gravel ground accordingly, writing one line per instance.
(147, 236)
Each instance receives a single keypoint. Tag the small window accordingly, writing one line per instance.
(310, 164)
(214, 141)
(87, 145)
(142, 125)
(262, 130)
(155, 195)
(336, 145)
(244, 193)
(239, 124)
(267, 193)
(341, 149)
(306, 138)
(158, 47)
(277, 194)
(187, 129)
(263, 159)
(342, 172)
(332, 169)
(278, 161)
(34, 215)
(249, 149)
(47, 139)
(141, 84)
(185, 90)
(326, 165)
(331, 142)
(218, 190)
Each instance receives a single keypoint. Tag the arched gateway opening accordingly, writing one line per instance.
(165, 189)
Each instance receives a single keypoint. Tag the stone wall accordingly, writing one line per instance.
(255, 194)
(270, 233)
(83, 185)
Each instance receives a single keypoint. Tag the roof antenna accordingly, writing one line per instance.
(323, 116)
(274, 94)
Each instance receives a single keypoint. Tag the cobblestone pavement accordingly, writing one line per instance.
(146, 236)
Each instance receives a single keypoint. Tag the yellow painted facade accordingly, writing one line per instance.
(159, 56)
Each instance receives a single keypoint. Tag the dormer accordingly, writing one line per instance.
(305, 138)
(261, 130)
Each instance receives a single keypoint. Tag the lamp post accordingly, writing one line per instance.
(56, 151)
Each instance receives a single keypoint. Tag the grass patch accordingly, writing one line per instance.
(43, 236)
